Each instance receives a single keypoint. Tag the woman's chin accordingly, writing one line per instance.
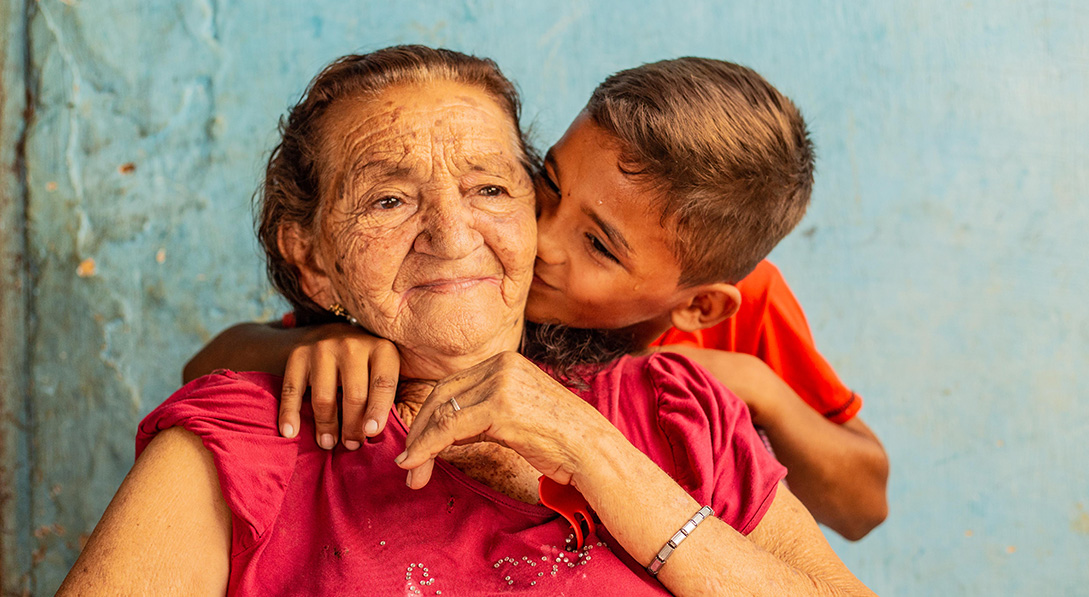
(464, 328)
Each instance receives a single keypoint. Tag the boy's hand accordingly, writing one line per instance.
(367, 368)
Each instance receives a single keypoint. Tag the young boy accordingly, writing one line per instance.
(657, 208)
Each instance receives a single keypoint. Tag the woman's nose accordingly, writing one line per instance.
(449, 231)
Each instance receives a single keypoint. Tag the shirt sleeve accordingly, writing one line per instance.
(772, 326)
(235, 417)
(717, 455)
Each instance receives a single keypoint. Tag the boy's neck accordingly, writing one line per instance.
(644, 334)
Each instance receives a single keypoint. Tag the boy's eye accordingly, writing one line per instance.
(551, 184)
(600, 248)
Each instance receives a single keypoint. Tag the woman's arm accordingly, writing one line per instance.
(509, 400)
(840, 472)
(643, 507)
(166, 532)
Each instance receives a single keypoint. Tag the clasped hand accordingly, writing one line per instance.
(508, 400)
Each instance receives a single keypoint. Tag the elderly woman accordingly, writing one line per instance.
(400, 197)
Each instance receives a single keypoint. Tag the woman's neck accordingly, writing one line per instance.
(437, 362)
(411, 394)
(496, 466)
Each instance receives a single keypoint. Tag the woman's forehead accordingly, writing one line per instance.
(406, 125)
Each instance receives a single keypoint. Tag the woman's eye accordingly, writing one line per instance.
(599, 248)
(493, 191)
(388, 203)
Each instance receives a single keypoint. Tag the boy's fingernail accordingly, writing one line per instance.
(351, 444)
(401, 457)
(287, 430)
(327, 441)
(371, 427)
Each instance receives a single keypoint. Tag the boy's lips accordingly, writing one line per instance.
(539, 282)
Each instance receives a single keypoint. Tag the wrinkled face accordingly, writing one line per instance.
(603, 258)
(427, 235)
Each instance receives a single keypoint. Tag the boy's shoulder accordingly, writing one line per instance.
(764, 281)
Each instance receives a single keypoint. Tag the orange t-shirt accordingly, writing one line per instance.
(771, 326)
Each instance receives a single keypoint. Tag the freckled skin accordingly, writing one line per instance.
(429, 240)
(578, 286)
(496, 466)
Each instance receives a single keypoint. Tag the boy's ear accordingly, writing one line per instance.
(707, 305)
(300, 251)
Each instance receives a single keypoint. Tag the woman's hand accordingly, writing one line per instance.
(509, 400)
(367, 368)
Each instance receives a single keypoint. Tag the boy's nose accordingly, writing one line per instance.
(549, 247)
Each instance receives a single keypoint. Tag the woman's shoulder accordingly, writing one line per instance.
(222, 401)
(234, 415)
(668, 385)
(666, 368)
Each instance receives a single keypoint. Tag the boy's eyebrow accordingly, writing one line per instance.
(614, 234)
(610, 231)
(550, 160)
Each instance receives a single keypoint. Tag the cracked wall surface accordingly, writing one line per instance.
(942, 264)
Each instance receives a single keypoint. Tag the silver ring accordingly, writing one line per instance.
(454, 403)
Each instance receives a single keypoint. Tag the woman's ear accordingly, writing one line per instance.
(707, 305)
(299, 250)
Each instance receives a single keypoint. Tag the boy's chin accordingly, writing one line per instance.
(538, 311)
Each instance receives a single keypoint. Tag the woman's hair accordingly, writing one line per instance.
(290, 192)
(727, 155)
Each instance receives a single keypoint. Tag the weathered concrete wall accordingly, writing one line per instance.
(15, 529)
(943, 264)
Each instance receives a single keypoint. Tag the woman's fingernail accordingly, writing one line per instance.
(401, 457)
(327, 441)
(408, 480)
(351, 444)
(371, 428)
(287, 430)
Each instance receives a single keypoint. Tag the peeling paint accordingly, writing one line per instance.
(86, 268)
(1080, 523)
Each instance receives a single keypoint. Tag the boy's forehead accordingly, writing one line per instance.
(587, 166)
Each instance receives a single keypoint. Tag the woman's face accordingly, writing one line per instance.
(428, 233)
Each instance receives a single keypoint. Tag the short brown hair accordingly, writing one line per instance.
(290, 192)
(728, 155)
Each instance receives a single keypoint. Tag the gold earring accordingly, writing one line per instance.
(339, 311)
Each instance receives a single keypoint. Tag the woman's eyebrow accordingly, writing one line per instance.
(382, 169)
(493, 163)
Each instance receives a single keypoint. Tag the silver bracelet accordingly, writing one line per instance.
(681, 535)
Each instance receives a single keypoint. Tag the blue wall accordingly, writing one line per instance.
(943, 264)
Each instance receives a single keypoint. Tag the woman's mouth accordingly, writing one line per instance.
(454, 285)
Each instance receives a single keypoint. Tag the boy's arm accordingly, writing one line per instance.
(321, 358)
(839, 472)
(245, 347)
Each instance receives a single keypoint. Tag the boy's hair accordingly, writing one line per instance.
(728, 155)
